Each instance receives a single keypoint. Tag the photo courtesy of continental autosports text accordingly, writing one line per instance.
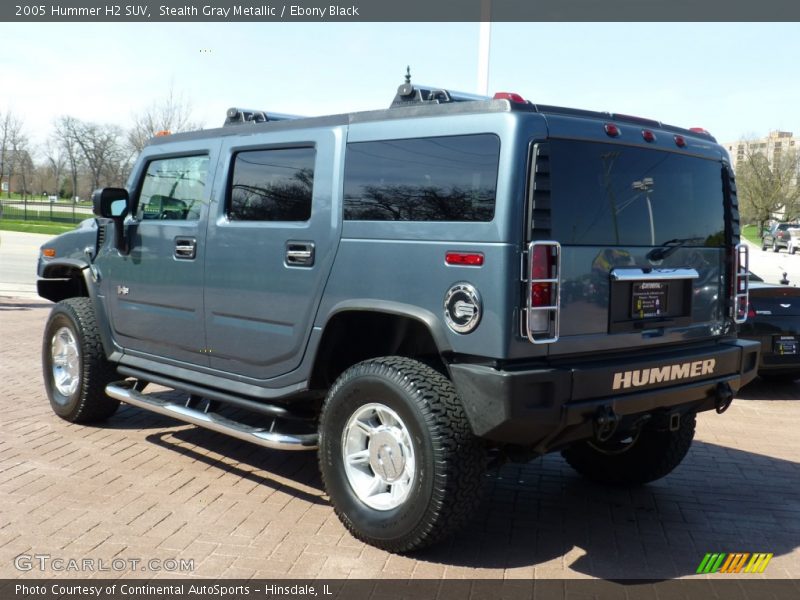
(180, 590)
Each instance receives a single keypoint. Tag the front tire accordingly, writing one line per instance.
(397, 455)
(76, 371)
(648, 455)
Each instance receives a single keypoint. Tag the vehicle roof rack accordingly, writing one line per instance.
(237, 116)
(409, 94)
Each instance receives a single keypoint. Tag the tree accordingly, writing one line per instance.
(65, 134)
(173, 114)
(10, 136)
(767, 189)
(56, 161)
(24, 167)
(100, 146)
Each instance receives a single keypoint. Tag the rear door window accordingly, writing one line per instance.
(272, 185)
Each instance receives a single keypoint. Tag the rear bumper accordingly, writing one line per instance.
(552, 406)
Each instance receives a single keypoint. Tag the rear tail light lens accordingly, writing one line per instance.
(542, 313)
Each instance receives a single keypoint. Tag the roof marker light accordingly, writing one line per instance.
(699, 130)
(648, 135)
(509, 96)
(611, 129)
(680, 141)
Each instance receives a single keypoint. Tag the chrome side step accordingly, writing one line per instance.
(124, 392)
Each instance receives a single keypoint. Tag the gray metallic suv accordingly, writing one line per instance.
(413, 291)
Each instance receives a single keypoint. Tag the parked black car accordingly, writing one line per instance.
(779, 236)
(774, 321)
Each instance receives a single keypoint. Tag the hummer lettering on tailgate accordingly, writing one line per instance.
(640, 377)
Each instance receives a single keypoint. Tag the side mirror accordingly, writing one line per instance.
(113, 203)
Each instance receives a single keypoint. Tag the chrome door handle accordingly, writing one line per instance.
(299, 254)
(185, 248)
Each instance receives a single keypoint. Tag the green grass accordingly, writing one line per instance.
(751, 234)
(35, 226)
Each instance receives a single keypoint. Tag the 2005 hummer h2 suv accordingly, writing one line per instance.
(411, 291)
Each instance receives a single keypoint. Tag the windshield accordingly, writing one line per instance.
(612, 195)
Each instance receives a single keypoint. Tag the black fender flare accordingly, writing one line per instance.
(55, 284)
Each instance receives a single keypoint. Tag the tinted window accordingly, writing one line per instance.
(608, 195)
(272, 185)
(425, 179)
(173, 189)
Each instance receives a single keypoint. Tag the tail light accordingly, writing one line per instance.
(739, 283)
(543, 284)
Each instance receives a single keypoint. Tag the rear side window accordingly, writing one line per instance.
(422, 179)
(272, 185)
(173, 189)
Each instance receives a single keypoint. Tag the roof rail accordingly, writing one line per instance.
(408, 94)
(237, 116)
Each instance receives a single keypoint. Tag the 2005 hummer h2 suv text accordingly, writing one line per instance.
(412, 291)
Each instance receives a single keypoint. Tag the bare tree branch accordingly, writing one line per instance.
(173, 114)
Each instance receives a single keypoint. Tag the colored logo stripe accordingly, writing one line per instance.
(722, 562)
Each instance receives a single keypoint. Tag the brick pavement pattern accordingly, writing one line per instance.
(147, 487)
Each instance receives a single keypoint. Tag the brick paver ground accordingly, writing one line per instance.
(147, 487)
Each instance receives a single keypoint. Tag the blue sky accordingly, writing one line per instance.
(734, 79)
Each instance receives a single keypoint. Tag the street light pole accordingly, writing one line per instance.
(484, 42)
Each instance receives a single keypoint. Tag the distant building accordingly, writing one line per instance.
(770, 146)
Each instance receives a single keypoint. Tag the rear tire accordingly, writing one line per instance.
(76, 371)
(650, 455)
(397, 455)
(775, 246)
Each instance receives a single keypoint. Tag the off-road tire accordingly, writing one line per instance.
(775, 247)
(652, 455)
(451, 461)
(89, 402)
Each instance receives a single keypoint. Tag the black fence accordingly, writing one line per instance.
(55, 212)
